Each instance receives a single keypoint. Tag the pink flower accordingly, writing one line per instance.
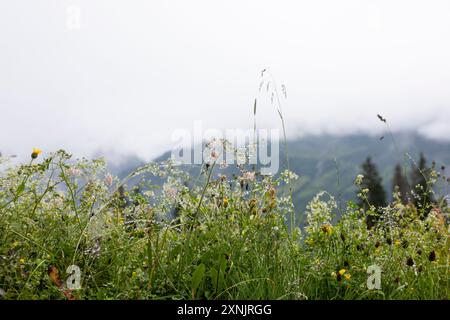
(171, 192)
(72, 171)
(109, 180)
(249, 176)
(214, 155)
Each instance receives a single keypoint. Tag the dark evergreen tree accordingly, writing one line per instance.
(400, 184)
(376, 195)
(422, 188)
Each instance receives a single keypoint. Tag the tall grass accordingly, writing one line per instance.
(225, 242)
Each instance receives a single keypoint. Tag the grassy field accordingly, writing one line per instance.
(226, 239)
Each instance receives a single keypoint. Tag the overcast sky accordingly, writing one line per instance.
(136, 70)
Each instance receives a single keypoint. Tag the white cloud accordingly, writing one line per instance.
(137, 70)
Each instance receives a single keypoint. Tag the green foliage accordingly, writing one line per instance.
(422, 189)
(225, 242)
(400, 185)
(372, 191)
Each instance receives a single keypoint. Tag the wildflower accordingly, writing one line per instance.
(170, 189)
(432, 256)
(35, 153)
(410, 262)
(134, 274)
(340, 274)
(359, 179)
(347, 276)
(397, 242)
(272, 193)
(22, 261)
(214, 155)
(72, 171)
(327, 229)
(249, 176)
(288, 176)
(225, 202)
(109, 180)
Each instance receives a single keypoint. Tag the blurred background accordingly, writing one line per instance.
(115, 78)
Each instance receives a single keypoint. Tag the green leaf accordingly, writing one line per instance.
(20, 189)
(214, 274)
(197, 276)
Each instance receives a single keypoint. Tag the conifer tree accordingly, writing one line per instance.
(400, 184)
(376, 195)
(421, 186)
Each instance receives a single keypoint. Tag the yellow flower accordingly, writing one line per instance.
(326, 228)
(134, 274)
(225, 202)
(342, 271)
(347, 276)
(35, 153)
(22, 261)
(397, 242)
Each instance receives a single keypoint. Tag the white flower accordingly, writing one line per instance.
(171, 192)
(240, 156)
(73, 171)
(288, 176)
(170, 189)
(359, 179)
(149, 193)
(58, 202)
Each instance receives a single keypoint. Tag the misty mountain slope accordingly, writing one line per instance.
(331, 163)
(327, 162)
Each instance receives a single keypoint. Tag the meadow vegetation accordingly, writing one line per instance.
(224, 238)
